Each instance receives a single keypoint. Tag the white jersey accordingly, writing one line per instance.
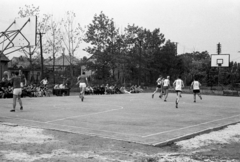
(166, 82)
(159, 81)
(196, 85)
(178, 84)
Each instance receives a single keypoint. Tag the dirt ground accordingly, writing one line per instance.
(24, 144)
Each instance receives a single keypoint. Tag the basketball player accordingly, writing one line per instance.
(196, 89)
(159, 86)
(82, 81)
(166, 86)
(178, 84)
(17, 90)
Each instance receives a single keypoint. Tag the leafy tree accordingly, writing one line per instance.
(71, 36)
(101, 34)
(53, 43)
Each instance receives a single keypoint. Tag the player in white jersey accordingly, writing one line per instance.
(82, 82)
(196, 89)
(178, 84)
(166, 86)
(159, 86)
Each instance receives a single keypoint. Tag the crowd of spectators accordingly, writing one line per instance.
(113, 89)
(32, 90)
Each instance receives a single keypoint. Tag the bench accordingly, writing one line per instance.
(61, 92)
(230, 93)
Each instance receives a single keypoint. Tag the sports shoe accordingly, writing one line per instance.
(13, 110)
(160, 96)
(194, 101)
(176, 104)
(82, 98)
(21, 108)
(165, 100)
(152, 95)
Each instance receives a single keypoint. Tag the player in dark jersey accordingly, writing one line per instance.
(17, 90)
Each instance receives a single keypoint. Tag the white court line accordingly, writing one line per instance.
(71, 117)
(96, 134)
(188, 126)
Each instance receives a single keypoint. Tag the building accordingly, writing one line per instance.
(3, 64)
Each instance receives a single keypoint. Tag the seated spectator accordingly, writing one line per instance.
(62, 86)
(124, 91)
(139, 89)
(56, 86)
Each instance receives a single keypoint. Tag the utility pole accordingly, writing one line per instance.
(219, 52)
(41, 53)
(176, 46)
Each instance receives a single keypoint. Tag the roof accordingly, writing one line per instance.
(62, 60)
(20, 61)
(4, 58)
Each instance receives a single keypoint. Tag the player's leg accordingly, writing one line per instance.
(155, 92)
(14, 103)
(177, 99)
(161, 92)
(194, 97)
(83, 92)
(80, 91)
(20, 101)
(199, 95)
(166, 94)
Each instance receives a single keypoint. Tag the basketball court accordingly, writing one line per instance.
(127, 117)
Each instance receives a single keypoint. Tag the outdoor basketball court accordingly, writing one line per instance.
(128, 117)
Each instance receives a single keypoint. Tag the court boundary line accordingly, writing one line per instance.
(154, 134)
(72, 127)
(192, 135)
(72, 117)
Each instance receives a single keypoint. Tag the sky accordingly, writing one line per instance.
(196, 25)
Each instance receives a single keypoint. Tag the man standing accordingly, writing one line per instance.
(196, 89)
(82, 81)
(166, 85)
(17, 90)
(178, 84)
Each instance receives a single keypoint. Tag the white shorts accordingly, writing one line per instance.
(82, 85)
(17, 91)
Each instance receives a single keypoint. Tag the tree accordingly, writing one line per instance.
(102, 34)
(71, 36)
(53, 43)
(31, 10)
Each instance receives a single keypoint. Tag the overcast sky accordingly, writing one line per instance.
(197, 25)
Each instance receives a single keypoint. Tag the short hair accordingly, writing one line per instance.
(16, 73)
(83, 72)
(179, 77)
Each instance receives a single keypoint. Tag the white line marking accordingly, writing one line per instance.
(74, 127)
(188, 126)
(71, 117)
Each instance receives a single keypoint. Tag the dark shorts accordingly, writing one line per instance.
(159, 86)
(196, 91)
(165, 87)
(178, 91)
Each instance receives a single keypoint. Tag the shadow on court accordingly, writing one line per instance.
(129, 117)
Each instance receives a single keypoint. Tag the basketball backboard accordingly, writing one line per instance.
(221, 60)
(19, 32)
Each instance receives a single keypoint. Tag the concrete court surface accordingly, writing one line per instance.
(128, 117)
